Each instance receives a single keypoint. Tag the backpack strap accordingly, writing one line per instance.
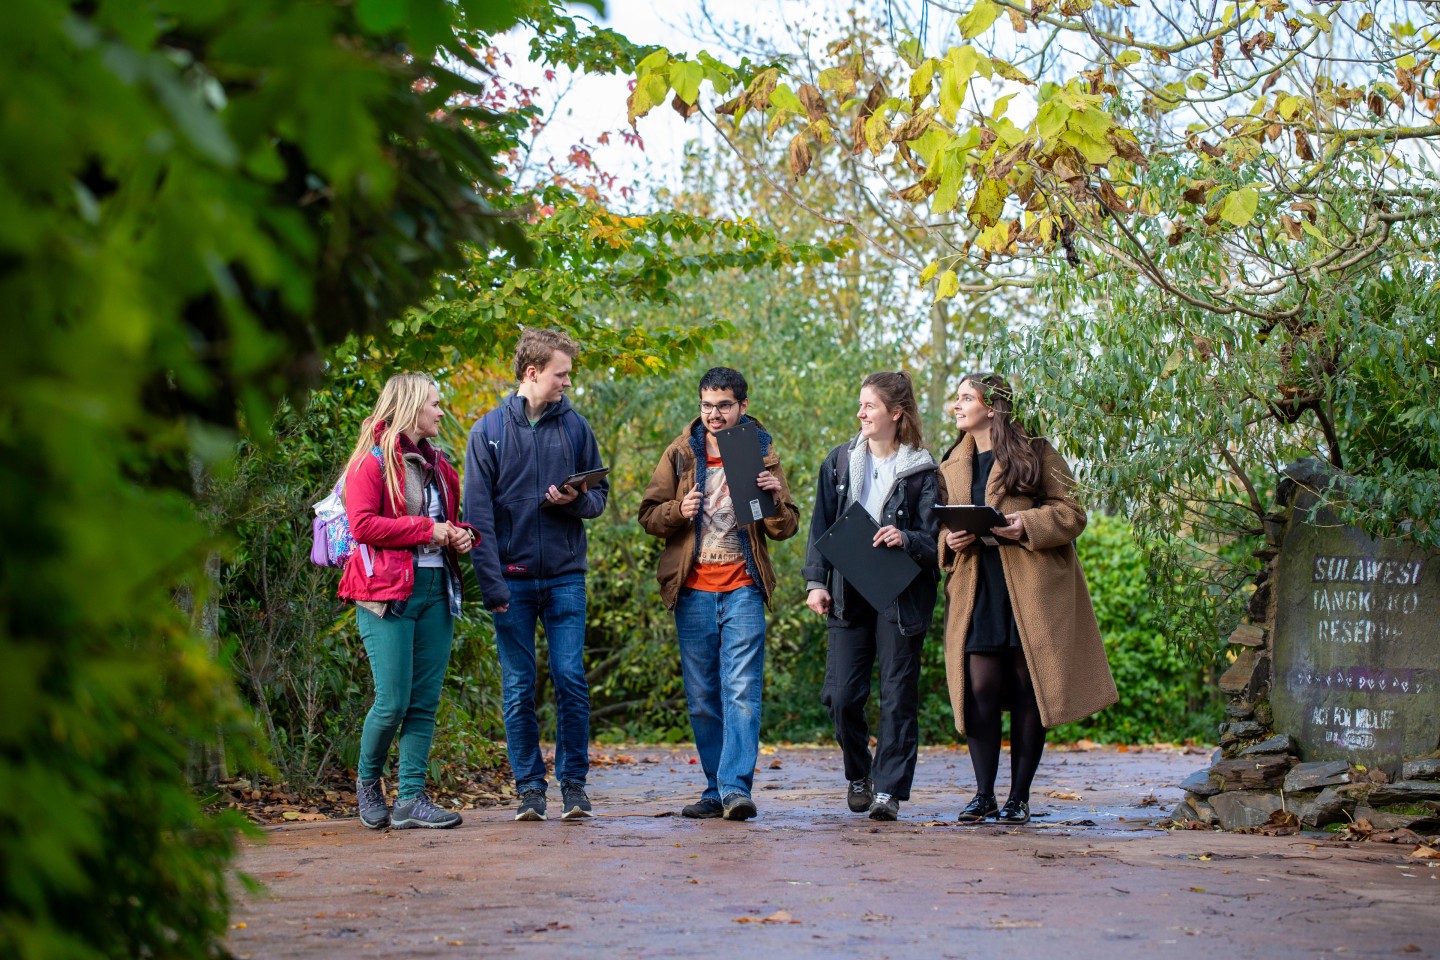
(492, 428)
(570, 421)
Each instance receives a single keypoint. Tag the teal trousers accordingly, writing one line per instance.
(408, 657)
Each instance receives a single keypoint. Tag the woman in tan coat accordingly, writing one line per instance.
(1019, 628)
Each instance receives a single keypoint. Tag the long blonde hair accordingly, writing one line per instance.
(401, 400)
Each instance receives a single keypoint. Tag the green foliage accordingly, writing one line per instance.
(1165, 695)
(195, 199)
(1232, 262)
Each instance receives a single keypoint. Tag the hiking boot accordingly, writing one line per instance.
(1014, 811)
(978, 809)
(885, 807)
(418, 811)
(703, 809)
(860, 795)
(370, 796)
(574, 801)
(737, 806)
(532, 805)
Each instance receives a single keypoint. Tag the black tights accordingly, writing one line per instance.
(991, 679)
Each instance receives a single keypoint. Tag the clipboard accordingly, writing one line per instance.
(978, 519)
(881, 574)
(740, 453)
(575, 479)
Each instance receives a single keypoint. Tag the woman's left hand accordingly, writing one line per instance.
(889, 537)
(461, 539)
(1015, 530)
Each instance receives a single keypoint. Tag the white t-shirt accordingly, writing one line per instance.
(879, 478)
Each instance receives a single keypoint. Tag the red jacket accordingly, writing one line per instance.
(385, 533)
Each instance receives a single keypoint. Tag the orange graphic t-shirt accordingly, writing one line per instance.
(721, 564)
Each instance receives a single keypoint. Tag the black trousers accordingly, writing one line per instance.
(850, 655)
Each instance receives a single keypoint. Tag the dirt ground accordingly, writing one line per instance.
(1091, 876)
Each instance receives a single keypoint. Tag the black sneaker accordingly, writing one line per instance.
(885, 807)
(532, 805)
(574, 801)
(978, 809)
(860, 795)
(703, 809)
(374, 811)
(1014, 811)
(418, 811)
(737, 806)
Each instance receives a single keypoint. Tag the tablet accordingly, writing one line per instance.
(575, 479)
(968, 518)
(587, 477)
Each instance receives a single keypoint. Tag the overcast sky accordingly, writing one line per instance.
(591, 104)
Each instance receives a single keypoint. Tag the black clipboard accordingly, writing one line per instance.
(978, 519)
(880, 573)
(740, 453)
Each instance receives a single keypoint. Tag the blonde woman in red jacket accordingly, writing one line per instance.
(402, 498)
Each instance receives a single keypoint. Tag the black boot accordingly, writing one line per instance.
(1014, 811)
(978, 809)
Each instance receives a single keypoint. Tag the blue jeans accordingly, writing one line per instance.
(408, 655)
(722, 657)
(559, 603)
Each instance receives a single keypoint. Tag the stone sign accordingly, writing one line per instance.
(1356, 644)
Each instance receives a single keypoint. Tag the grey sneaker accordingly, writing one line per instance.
(885, 807)
(532, 805)
(418, 811)
(737, 806)
(374, 811)
(574, 801)
(703, 809)
(860, 795)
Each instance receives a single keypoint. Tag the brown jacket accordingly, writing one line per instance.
(660, 515)
(1047, 588)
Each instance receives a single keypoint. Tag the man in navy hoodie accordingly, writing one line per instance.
(530, 559)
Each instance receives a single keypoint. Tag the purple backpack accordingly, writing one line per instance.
(332, 544)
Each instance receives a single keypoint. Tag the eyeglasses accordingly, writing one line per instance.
(723, 407)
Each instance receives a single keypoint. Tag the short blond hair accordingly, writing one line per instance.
(537, 345)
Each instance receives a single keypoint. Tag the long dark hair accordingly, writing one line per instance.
(897, 392)
(1013, 444)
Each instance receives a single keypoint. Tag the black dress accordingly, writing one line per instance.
(992, 623)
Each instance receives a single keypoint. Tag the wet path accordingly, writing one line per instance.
(1090, 877)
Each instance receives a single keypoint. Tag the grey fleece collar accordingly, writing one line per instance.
(912, 460)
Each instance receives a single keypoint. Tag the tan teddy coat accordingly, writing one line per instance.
(1047, 588)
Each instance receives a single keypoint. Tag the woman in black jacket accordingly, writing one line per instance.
(887, 470)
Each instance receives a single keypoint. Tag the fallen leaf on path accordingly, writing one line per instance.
(1282, 823)
(1359, 830)
(775, 765)
(1423, 852)
(1400, 835)
(779, 916)
(1062, 795)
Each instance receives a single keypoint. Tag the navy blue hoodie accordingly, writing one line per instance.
(505, 489)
